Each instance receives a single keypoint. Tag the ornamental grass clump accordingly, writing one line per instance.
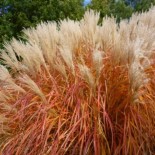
(82, 88)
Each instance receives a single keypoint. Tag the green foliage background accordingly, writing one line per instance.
(28, 13)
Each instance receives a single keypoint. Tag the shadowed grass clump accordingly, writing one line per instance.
(80, 89)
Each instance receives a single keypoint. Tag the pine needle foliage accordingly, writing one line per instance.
(80, 88)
